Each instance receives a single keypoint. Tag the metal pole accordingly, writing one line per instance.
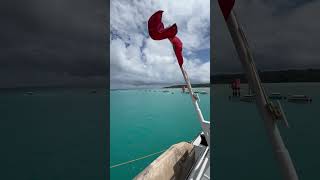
(205, 125)
(282, 155)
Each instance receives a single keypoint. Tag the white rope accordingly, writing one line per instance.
(137, 159)
(131, 161)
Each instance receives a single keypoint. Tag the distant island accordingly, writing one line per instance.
(281, 76)
(193, 85)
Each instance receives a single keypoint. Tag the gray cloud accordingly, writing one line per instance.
(58, 42)
(61, 42)
(281, 35)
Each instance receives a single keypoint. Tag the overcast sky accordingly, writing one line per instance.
(53, 43)
(282, 34)
(63, 42)
(137, 60)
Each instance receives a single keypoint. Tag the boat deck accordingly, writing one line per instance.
(201, 169)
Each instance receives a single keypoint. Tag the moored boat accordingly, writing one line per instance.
(203, 92)
(184, 160)
(276, 96)
(28, 93)
(299, 98)
(248, 98)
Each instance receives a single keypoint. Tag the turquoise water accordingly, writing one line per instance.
(57, 134)
(241, 148)
(53, 134)
(147, 121)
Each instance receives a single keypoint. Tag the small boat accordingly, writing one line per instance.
(203, 92)
(93, 92)
(248, 98)
(28, 93)
(165, 91)
(276, 96)
(299, 98)
(184, 160)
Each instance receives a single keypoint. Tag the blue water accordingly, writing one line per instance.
(241, 148)
(59, 133)
(53, 134)
(147, 121)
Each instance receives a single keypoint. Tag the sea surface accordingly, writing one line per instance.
(53, 134)
(58, 133)
(241, 148)
(148, 121)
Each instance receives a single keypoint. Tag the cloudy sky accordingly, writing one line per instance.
(137, 60)
(282, 34)
(64, 42)
(53, 43)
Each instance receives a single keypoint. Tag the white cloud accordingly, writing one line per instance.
(136, 59)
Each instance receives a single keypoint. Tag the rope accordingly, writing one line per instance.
(131, 161)
(137, 159)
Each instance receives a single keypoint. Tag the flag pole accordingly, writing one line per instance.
(158, 32)
(205, 125)
(281, 153)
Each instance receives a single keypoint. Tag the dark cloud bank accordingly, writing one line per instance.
(53, 43)
(281, 34)
(63, 43)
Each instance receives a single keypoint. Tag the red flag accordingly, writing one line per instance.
(226, 7)
(157, 30)
(177, 47)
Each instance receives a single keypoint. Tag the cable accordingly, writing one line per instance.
(131, 161)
